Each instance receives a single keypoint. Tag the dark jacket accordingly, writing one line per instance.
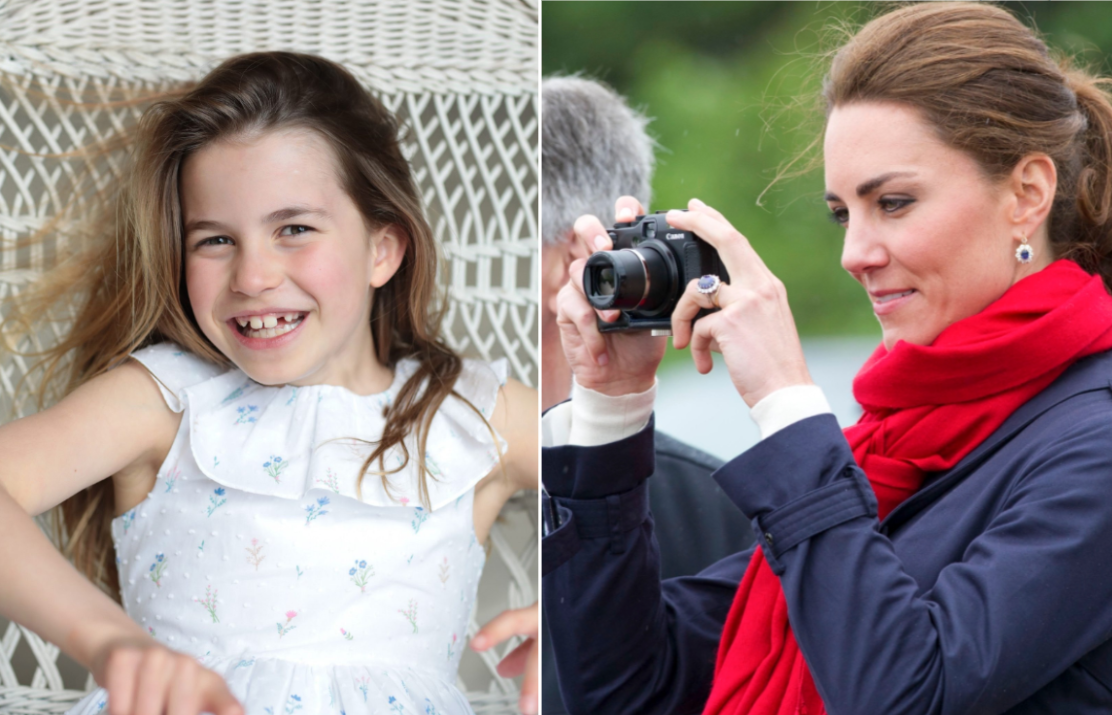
(988, 591)
(694, 522)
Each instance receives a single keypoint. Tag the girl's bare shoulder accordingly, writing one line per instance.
(517, 418)
(116, 421)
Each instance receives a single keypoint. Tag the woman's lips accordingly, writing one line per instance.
(884, 305)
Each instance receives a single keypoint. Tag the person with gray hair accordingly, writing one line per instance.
(594, 150)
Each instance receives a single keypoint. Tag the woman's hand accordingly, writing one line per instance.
(524, 658)
(754, 330)
(143, 677)
(613, 363)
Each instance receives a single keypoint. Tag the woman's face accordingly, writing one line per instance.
(928, 236)
(272, 240)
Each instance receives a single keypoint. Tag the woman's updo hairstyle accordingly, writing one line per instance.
(990, 87)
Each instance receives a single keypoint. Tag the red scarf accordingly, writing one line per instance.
(924, 409)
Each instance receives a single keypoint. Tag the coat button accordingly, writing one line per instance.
(768, 537)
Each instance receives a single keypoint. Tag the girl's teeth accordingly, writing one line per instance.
(268, 326)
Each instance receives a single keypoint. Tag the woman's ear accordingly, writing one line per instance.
(389, 246)
(1034, 181)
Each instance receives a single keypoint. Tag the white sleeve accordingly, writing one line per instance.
(592, 418)
(788, 405)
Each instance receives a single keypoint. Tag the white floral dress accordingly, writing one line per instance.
(254, 554)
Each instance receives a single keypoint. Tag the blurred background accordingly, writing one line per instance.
(732, 92)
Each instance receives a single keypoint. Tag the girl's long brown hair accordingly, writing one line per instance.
(123, 279)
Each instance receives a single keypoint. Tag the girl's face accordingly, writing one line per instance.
(280, 266)
(928, 236)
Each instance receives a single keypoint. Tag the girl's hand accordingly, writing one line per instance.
(754, 330)
(143, 677)
(615, 363)
(524, 658)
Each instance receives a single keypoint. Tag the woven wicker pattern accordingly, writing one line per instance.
(461, 75)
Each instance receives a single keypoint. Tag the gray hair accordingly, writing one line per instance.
(594, 149)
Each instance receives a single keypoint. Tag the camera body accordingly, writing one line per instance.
(647, 272)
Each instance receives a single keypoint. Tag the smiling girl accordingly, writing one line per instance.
(303, 474)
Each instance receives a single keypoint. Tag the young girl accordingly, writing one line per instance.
(303, 474)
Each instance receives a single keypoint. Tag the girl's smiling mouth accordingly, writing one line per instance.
(267, 330)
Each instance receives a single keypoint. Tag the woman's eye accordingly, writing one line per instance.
(294, 230)
(840, 215)
(893, 205)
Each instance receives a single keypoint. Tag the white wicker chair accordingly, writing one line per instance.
(462, 75)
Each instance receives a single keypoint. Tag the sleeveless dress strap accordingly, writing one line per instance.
(174, 369)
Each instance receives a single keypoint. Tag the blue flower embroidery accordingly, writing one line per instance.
(419, 517)
(274, 467)
(312, 511)
(246, 414)
(216, 500)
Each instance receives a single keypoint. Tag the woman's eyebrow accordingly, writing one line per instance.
(867, 187)
(283, 214)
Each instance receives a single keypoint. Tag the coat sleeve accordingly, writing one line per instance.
(624, 641)
(1029, 596)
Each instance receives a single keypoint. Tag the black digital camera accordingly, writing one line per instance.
(647, 272)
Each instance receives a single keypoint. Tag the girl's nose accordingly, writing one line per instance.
(863, 249)
(256, 272)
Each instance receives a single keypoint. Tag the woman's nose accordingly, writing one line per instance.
(863, 249)
(256, 271)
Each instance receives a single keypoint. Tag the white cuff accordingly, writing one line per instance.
(556, 425)
(592, 418)
(787, 406)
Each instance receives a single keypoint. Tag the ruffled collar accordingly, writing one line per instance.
(288, 441)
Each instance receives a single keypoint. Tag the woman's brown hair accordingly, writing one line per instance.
(990, 87)
(127, 282)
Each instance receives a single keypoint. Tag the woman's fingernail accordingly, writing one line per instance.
(529, 705)
(698, 204)
(478, 642)
(600, 242)
(602, 360)
(625, 214)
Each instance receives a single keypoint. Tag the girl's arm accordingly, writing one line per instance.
(517, 418)
(115, 421)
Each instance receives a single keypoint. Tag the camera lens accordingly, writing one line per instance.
(605, 281)
(629, 279)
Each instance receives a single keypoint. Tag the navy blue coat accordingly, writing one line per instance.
(694, 521)
(988, 591)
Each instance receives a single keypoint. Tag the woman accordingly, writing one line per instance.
(949, 553)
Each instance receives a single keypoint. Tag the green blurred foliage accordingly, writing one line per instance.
(732, 88)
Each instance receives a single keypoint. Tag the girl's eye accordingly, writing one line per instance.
(213, 240)
(839, 216)
(294, 230)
